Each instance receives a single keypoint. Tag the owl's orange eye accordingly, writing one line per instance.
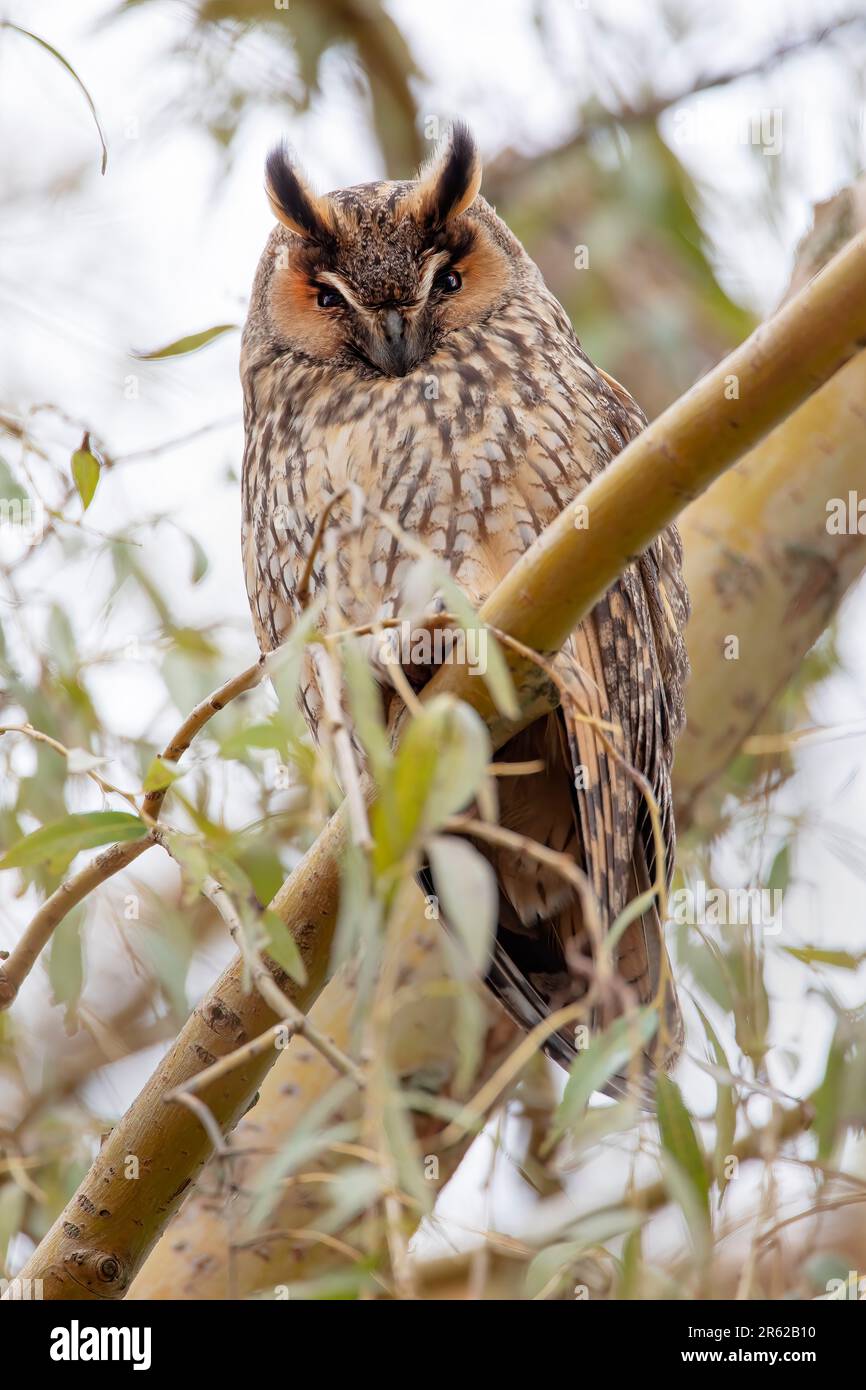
(448, 281)
(328, 298)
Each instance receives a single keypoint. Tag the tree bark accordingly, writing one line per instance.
(207, 1252)
(763, 567)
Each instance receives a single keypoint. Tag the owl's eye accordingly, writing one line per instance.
(329, 298)
(448, 281)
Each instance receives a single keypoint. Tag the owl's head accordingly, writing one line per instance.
(375, 277)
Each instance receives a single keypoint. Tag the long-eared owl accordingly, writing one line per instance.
(400, 338)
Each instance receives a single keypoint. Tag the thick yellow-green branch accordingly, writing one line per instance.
(559, 579)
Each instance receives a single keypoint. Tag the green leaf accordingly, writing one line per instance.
(466, 887)
(199, 558)
(547, 1271)
(679, 1138)
(630, 1269)
(471, 1022)
(263, 867)
(284, 666)
(814, 955)
(269, 735)
(61, 840)
(683, 1191)
(598, 1124)
(365, 701)
(189, 677)
(471, 1026)
(281, 945)
(312, 1135)
(726, 1128)
(81, 760)
(43, 43)
(356, 1188)
(192, 861)
(60, 640)
(191, 343)
(702, 956)
(827, 1099)
(85, 473)
(497, 676)
(10, 488)
(780, 871)
(726, 1106)
(549, 1268)
(360, 911)
(404, 1148)
(606, 1056)
(66, 964)
(168, 950)
(441, 760)
(745, 962)
(632, 910)
(160, 775)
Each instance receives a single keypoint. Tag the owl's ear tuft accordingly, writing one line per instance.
(448, 182)
(292, 201)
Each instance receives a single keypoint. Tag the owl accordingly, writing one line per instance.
(401, 345)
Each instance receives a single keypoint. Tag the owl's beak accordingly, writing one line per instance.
(391, 348)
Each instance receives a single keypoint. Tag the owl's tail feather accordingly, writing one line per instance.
(528, 1008)
(518, 985)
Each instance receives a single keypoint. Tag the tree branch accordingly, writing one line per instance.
(210, 1251)
(38, 933)
(763, 567)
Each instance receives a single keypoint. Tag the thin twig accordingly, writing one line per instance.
(472, 1115)
(110, 861)
(38, 736)
(205, 1115)
(332, 708)
(507, 174)
(38, 932)
(292, 1017)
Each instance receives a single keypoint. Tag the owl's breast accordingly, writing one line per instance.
(470, 456)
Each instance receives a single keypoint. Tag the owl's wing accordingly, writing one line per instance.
(610, 743)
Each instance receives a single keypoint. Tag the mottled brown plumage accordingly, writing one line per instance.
(400, 338)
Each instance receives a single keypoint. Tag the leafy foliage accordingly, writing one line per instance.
(250, 793)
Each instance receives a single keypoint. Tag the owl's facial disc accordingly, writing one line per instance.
(395, 335)
(377, 276)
